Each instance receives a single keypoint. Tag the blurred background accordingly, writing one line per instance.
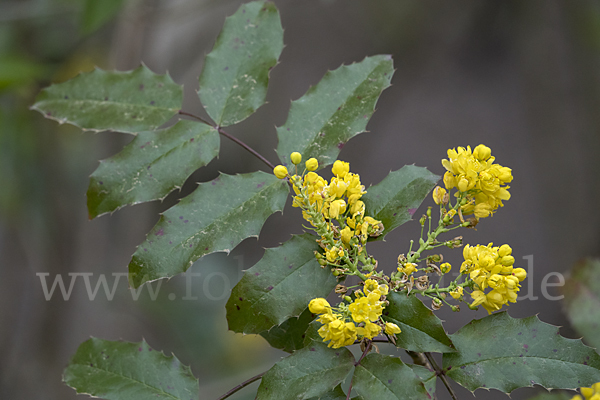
(520, 77)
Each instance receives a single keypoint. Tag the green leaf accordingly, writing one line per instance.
(335, 394)
(310, 372)
(279, 286)
(421, 329)
(128, 371)
(151, 166)
(217, 216)
(289, 335)
(504, 353)
(582, 300)
(395, 199)
(100, 100)
(98, 12)
(429, 378)
(234, 80)
(380, 377)
(335, 110)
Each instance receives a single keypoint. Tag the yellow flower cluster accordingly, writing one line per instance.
(338, 200)
(492, 267)
(364, 312)
(591, 393)
(474, 173)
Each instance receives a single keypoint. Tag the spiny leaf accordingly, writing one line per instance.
(151, 166)
(289, 335)
(310, 372)
(421, 329)
(335, 110)
(380, 377)
(128, 371)
(395, 199)
(582, 300)
(130, 102)
(234, 80)
(336, 394)
(217, 216)
(504, 353)
(279, 286)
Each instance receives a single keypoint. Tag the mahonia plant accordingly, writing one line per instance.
(283, 297)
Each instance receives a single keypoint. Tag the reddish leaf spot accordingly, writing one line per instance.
(160, 232)
(152, 103)
(270, 288)
(260, 185)
(412, 211)
(142, 86)
(238, 307)
(256, 274)
(241, 299)
(525, 346)
(186, 221)
(139, 349)
(340, 145)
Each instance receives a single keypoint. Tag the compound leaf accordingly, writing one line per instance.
(151, 166)
(395, 199)
(582, 300)
(217, 216)
(421, 329)
(279, 286)
(335, 110)
(128, 371)
(380, 377)
(504, 353)
(130, 102)
(234, 80)
(310, 372)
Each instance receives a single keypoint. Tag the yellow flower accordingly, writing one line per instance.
(591, 393)
(370, 286)
(336, 208)
(346, 235)
(333, 254)
(438, 195)
(280, 171)
(296, 158)
(457, 293)
(318, 306)
(358, 207)
(366, 308)
(340, 333)
(520, 273)
(369, 331)
(445, 268)
(391, 328)
(340, 168)
(408, 268)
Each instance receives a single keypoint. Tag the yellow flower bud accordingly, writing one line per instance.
(504, 250)
(280, 171)
(340, 168)
(391, 328)
(318, 306)
(508, 261)
(296, 158)
(336, 208)
(311, 164)
(449, 180)
(457, 293)
(482, 152)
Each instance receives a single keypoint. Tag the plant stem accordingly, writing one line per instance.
(230, 137)
(367, 348)
(441, 374)
(242, 385)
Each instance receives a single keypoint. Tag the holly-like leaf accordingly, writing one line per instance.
(429, 378)
(310, 372)
(582, 300)
(279, 286)
(130, 102)
(380, 377)
(217, 216)
(395, 199)
(335, 110)
(151, 166)
(128, 371)
(421, 330)
(234, 80)
(290, 334)
(504, 353)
